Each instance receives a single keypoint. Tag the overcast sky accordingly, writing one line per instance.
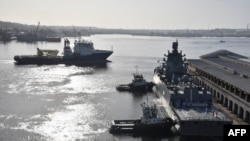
(132, 14)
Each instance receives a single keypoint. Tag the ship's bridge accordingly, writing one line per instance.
(83, 47)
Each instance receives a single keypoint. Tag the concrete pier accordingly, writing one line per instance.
(227, 76)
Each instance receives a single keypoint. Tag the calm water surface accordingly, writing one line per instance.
(68, 103)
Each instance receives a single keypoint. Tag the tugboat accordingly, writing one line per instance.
(189, 104)
(83, 53)
(222, 41)
(151, 123)
(138, 84)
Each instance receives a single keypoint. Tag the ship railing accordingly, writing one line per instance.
(83, 41)
(121, 122)
(222, 111)
(186, 105)
(175, 114)
(211, 118)
(208, 118)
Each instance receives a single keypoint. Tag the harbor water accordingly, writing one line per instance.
(77, 103)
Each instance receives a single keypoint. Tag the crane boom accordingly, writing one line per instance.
(37, 27)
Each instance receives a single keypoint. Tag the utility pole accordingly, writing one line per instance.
(37, 28)
(136, 69)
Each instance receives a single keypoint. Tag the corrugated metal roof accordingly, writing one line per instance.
(222, 53)
(221, 73)
(227, 66)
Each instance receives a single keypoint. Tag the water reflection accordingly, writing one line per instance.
(75, 121)
(69, 102)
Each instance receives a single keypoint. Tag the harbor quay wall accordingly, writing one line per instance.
(202, 127)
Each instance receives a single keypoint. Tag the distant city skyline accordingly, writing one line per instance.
(130, 14)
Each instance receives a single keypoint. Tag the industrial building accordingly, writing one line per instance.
(227, 76)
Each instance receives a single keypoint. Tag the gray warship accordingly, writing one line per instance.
(190, 105)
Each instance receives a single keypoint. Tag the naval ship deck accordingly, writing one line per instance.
(200, 113)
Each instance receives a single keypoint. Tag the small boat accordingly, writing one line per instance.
(138, 84)
(222, 41)
(153, 122)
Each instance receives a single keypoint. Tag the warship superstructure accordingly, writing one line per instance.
(190, 105)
